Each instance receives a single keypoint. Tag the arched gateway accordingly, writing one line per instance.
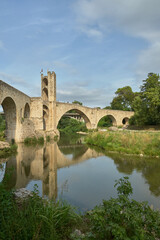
(39, 116)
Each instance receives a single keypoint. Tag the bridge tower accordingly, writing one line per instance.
(48, 95)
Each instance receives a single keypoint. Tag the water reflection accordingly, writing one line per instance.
(42, 163)
(149, 168)
(81, 175)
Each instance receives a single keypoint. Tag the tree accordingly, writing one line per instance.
(147, 104)
(123, 100)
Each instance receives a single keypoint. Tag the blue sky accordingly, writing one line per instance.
(94, 46)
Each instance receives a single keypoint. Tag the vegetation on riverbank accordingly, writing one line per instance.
(120, 218)
(69, 126)
(2, 128)
(7, 152)
(146, 143)
(34, 141)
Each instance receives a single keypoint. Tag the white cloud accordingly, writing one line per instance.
(149, 60)
(89, 97)
(136, 18)
(13, 80)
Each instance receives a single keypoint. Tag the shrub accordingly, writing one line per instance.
(48, 138)
(124, 218)
(40, 140)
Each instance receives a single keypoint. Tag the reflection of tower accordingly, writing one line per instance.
(48, 94)
(50, 171)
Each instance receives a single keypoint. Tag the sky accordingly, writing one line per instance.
(94, 46)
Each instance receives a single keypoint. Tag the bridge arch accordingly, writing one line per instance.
(125, 121)
(26, 111)
(82, 114)
(9, 108)
(112, 119)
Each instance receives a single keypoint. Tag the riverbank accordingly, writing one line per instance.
(129, 142)
(7, 150)
(117, 218)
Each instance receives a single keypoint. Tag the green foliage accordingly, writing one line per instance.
(2, 123)
(121, 218)
(105, 122)
(147, 104)
(34, 218)
(123, 100)
(77, 102)
(56, 138)
(126, 142)
(40, 140)
(48, 138)
(6, 152)
(34, 141)
(2, 128)
(69, 125)
(124, 218)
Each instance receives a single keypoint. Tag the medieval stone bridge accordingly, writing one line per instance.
(39, 116)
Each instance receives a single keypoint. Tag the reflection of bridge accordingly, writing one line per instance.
(42, 164)
(27, 116)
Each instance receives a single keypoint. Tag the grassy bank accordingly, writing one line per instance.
(34, 141)
(120, 218)
(7, 152)
(129, 142)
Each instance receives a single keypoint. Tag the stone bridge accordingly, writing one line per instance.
(39, 116)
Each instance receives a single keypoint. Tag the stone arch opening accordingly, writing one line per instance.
(107, 121)
(26, 111)
(45, 117)
(9, 108)
(45, 82)
(125, 121)
(45, 94)
(78, 116)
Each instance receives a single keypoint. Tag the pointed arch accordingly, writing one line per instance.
(45, 82)
(45, 94)
(26, 111)
(45, 117)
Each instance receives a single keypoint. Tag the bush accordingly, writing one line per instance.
(34, 141)
(6, 152)
(48, 138)
(124, 218)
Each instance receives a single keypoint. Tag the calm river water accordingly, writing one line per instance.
(83, 176)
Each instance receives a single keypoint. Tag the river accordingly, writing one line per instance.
(82, 176)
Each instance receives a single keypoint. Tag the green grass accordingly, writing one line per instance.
(34, 218)
(117, 218)
(145, 143)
